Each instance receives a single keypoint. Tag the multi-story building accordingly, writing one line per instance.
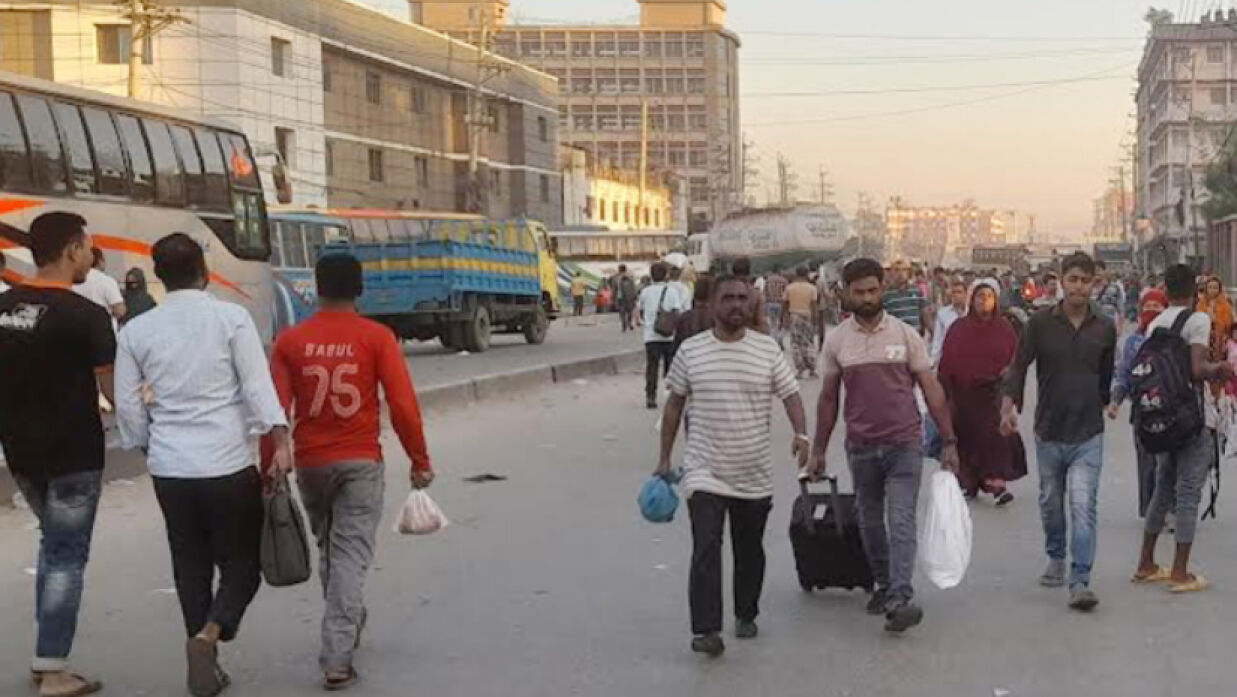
(1113, 213)
(597, 195)
(939, 235)
(1187, 90)
(366, 110)
(680, 62)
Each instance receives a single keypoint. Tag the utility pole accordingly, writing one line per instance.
(751, 172)
(478, 119)
(785, 181)
(1188, 193)
(146, 19)
(644, 152)
(826, 189)
(1125, 207)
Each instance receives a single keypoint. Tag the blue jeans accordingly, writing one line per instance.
(887, 484)
(1072, 467)
(66, 507)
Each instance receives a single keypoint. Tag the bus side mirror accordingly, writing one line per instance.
(283, 185)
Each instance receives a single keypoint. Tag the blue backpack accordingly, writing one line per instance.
(658, 500)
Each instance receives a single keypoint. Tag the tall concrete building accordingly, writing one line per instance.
(1187, 106)
(942, 235)
(673, 79)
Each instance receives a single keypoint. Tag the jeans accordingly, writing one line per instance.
(211, 523)
(888, 473)
(344, 504)
(1180, 479)
(747, 531)
(656, 352)
(65, 506)
(577, 302)
(1072, 467)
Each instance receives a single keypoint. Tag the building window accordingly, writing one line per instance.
(588, 206)
(280, 50)
(601, 211)
(581, 46)
(373, 87)
(496, 182)
(543, 129)
(113, 42)
(285, 144)
(492, 118)
(326, 76)
(1215, 53)
(376, 173)
(418, 99)
(657, 218)
(1219, 96)
(545, 188)
(627, 213)
(330, 158)
(422, 165)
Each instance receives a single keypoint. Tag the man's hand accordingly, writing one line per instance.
(1009, 421)
(816, 467)
(663, 469)
(949, 458)
(1112, 410)
(282, 461)
(422, 478)
(801, 448)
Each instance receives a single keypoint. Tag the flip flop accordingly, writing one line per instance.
(1160, 575)
(85, 687)
(333, 684)
(1195, 584)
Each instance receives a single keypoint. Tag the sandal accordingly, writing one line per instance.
(202, 660)
(340, 681)
(1195, 584)
(84, 687)
(1158, 575)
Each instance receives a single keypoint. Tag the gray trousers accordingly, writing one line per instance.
(344, 504)
(887, 483)
(1180, 478)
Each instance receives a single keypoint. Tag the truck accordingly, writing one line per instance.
(461, 283)
(781, 237)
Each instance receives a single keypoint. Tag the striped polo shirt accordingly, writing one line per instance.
(878, 369)
(730, 387)
(906, 303)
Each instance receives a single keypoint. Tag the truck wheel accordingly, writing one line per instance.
(477, 330)
(536, 328)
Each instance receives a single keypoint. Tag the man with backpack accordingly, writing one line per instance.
(659, 305)
(1167, 377)
(625, 297)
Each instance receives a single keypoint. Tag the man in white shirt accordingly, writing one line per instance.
(658, 348)
(101, 289)
(211, 397)
(946, 316)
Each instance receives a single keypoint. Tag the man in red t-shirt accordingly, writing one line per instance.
(327, 371)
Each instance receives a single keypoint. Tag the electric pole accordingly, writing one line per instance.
(825, 192)
(478, 118)
(786, 186)
(146, 19)
(751, 172)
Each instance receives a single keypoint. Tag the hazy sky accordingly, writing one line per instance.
(1048, 149)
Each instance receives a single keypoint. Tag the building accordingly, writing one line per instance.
(679, 60)
(366, 110)
(1114, 212)
(942, 235)
(596, 195)
(1185, 107)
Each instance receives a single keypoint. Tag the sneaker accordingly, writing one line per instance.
(746, 629)
(878, 603)
(1083, 600)
(709, 644)
(902, 617)
(1054, 575)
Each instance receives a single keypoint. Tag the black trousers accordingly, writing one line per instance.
(656, 352)
(577, 302)
(214, 523)
(747, 531)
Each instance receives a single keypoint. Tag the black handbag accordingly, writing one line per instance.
(667, 321)
(285, 553)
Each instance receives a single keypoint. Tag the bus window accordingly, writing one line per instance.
(277, 254)
(315, 240)
(215, 189)
(240, 162)
(45, 154)
(73, 136)
(360, 230)
(142, 185)
(399, 230)
(294, 246)
(113, 172)
(378, 229)
(169, 182)
(182, 140)
(14, 158)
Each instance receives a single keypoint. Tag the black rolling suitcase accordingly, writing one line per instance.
(824, 532)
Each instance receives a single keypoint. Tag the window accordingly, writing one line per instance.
(606, 46)
(418, 99)
(698, 156)
(630, 117)
(327, 72)
(582, 117)
(113, 42)
(142, 183)
(530, 45)
(581, 84)
(653, 81)
(1181, 139)
(14, 159)
(491, 117)
(373, 87)
(285, 145)
(581, 46)
(214, 172)
(81, 160)
(422, 166)
(601, 211)
(674, 46)
(543, 129)
(191, 162)
(697, 120)
(674, 82)
(110, 156)
(496, 182)
(607, 81)
(556, 44)
(629, 45)
(375, 165)
(330, 158)
(1215, 53)
(1219, 96)
(695, 82)
(169, 180)
(695, 46)
(240, 162)
(545, 188)
(280, 50)
(629, 80)
(652, 46)
(607, 117)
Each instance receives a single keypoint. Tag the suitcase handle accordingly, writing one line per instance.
(834, 499)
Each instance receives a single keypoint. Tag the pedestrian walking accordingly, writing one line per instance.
(947, 315)
(674, 269)
(1073, 349)
(625, 298)
(101, 289)
(802, 300)
(657, 298)
(727, 379)
(1109, 295)
(57, 349)
(1154, 301)
(700, 318)
(137, 298)
(1048, 292)
(1182, 471)
(974, 359)
(775, 302)
(328, 371)
(902, 298)
(880, 359)
(579, 287)
(210, 395)
(1220, 311)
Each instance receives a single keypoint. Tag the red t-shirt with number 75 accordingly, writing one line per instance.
(327, 371)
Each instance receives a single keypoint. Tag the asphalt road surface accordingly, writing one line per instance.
(549, 584)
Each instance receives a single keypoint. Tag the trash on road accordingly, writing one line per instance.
(486, 477)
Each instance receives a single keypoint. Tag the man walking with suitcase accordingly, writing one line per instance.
(727, 379)
(881, 359)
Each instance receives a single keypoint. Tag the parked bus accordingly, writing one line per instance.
(597, 253)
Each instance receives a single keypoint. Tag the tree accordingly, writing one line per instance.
(1221, 182)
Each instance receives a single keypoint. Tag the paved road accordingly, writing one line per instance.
(549, 585)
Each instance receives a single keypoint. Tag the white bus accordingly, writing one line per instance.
(136, 172)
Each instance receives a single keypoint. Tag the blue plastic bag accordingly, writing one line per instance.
(658, 500)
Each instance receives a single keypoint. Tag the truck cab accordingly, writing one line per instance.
(547, 256)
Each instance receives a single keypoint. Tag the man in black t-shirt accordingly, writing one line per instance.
(57, 349)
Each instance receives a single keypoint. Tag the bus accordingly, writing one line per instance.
(596, 253)
(136, 172)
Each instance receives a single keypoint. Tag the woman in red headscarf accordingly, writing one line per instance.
(978, 349)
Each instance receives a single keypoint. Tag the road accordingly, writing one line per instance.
(549, 584)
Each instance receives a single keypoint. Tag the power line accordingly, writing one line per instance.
(938, 88)
(939, 58)
(925, 37)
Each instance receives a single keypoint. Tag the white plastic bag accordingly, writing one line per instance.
(420, 515)
(945, 532)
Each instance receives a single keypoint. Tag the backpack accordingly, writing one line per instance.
(1168, 410)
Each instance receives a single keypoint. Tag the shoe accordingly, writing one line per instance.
(746, 629)
(879, 602)
(1004, 499)
(333, 682)
(651, 404)
(1054, 575)
(1083, 600)
(902, 617)
(203, 668)
(709, 644)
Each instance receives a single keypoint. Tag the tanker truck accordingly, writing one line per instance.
(784, 238)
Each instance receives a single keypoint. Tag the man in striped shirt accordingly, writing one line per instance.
(727, 379)
(902, 298)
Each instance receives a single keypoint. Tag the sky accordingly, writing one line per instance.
(1042, 134)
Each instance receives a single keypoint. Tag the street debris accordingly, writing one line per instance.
(483, 478)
